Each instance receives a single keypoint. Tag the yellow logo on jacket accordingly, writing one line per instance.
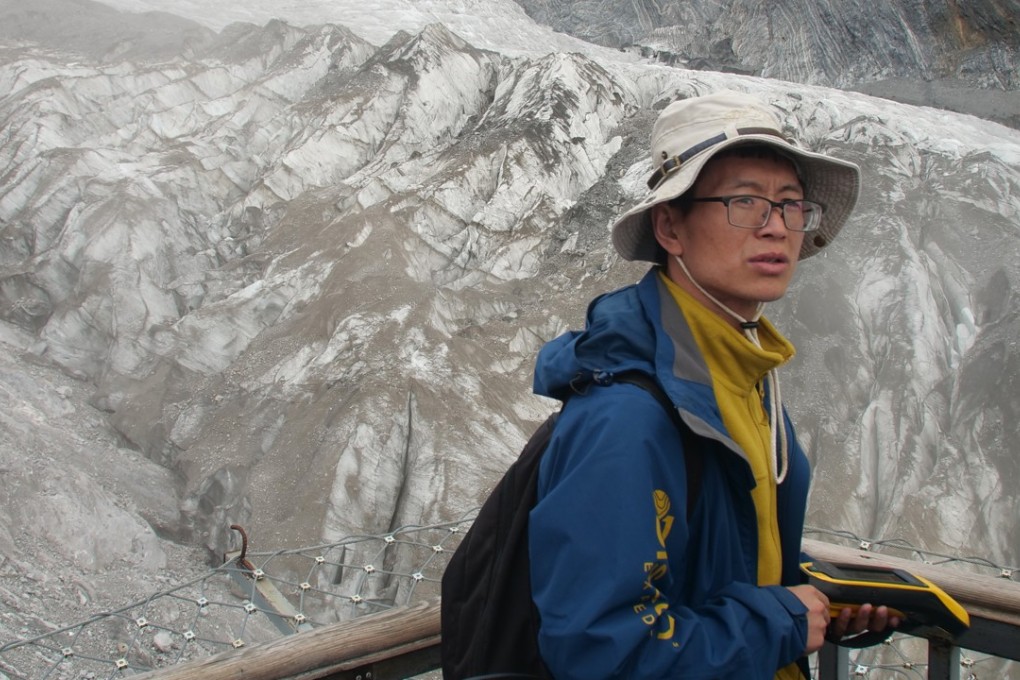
(653, 605)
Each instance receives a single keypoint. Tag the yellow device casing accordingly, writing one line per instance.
(918, 602)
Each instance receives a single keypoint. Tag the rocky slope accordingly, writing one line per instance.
(295, 281)
(959, 56)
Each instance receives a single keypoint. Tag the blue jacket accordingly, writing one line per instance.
(626, 584)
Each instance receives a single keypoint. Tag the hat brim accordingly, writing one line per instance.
(834, 183)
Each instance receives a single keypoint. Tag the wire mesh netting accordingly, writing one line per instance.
(256, 597)
(253, 597)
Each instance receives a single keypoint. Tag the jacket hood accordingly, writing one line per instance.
(618, 336)
(638, 327)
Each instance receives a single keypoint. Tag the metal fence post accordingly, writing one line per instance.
(833, 662)
(943, 660)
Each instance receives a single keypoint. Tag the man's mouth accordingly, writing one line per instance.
(771, 258)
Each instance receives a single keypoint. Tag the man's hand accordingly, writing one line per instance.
(817, 615)
(869, 617)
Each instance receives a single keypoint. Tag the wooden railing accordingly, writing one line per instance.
(404, 642)
(398, 643)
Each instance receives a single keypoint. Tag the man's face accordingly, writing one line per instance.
(740, 267)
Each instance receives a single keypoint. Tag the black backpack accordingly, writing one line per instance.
(489, 621)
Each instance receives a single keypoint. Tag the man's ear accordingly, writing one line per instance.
(667, 223)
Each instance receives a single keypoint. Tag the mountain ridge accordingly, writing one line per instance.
(960, 57)
(300, 287)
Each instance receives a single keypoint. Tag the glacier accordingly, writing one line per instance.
(294, 279)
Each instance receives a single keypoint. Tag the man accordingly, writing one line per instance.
(628, 581)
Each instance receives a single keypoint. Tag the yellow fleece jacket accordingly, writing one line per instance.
(738, 368)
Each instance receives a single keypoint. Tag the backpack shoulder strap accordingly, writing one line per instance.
(693, 460)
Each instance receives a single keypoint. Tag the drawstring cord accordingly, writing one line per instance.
(779, 458)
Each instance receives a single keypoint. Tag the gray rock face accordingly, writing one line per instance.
(958, 56)
(296, 281)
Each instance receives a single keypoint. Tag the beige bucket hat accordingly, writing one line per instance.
(691, 131)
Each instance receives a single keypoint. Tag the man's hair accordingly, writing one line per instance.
(685, 201)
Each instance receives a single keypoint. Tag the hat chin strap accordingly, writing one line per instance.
(779, 459)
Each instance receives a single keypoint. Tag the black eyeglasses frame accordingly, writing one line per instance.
(725, 200)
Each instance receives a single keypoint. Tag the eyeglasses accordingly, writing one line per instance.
(753, 212)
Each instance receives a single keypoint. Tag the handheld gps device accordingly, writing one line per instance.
(917, 602)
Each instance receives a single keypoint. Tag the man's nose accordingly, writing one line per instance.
(776, 222)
